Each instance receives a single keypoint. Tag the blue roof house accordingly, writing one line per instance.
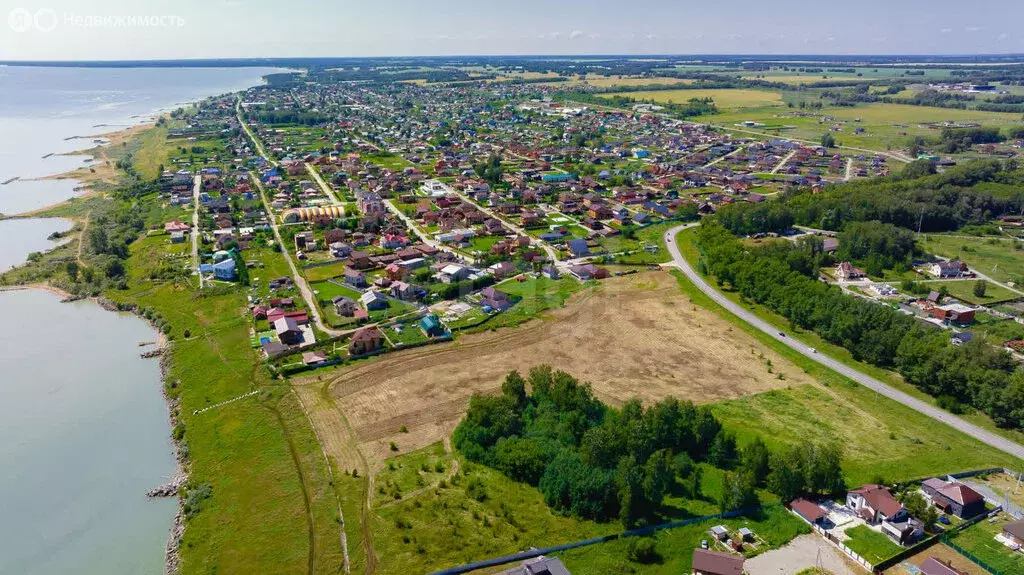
(224, 270)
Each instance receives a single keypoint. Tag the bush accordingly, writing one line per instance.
(642, 550)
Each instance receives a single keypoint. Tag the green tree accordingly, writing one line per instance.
(828, 140)
(754, 459)
(980, 287)
(738, 491)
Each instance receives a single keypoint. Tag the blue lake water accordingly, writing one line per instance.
(83, 426)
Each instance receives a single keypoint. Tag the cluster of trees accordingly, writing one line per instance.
(267, 116)
(973, 193)
(490, 171)
(877, 246)
(783, 277)
(961, 139)
(597, 462)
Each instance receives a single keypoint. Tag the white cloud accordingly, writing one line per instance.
(1001, 38)
(650, 36)
(593, 36)
(945, 31)
(575, 34)
(972, 29)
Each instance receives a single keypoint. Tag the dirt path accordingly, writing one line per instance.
(338, 443)
(81, 238)
(330, 473)
(310, 522)
(805, 551)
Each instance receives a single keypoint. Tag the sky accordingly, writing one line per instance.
(168, 29)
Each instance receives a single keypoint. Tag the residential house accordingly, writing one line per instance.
(503, 269)
(314, 358)
(875, 503)
(907, 531)
(355, 278)
(177, 237)
(954, 497)
(452, 273)
(933, 566)
(1014, 531)
(365, 341)
(706, 562)
(345, 306)
(431, 326)
(578, 248)
(495, 299)
(304, 241)
(359, 260)
(176, 226)
(404, 291)
(588, 272)
(551, 272)
(373, 301)
(224, 270)
(954, 313)
(540, 566)
(949, 269)
(811, 512)
(288, 331)
(846, 272)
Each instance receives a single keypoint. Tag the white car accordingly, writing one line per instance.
(813, 350)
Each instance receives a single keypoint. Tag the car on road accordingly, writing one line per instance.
(813, 350)
(782, 334)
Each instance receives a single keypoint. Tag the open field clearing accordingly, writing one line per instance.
(963, 290)
(725, 99)
(886, 125)
(797, 79)
(999, 258)
(634, 336)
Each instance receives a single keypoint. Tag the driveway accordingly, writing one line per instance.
(805, 551)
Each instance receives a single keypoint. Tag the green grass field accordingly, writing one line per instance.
(880, 437)
(871, 545)
(886, 125)
(1002, 259)
(725, 99)
(324, 272)
(964, 290)
(978, 539)
(674, 547)
(273, 508)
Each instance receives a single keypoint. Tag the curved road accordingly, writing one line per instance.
(986, 437)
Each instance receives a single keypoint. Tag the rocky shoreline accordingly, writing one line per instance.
(173, 488)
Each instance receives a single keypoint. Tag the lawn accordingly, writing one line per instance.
(537, 295)
(870, 544)
(978, 540)
(324, 272)
(963, 290)
(326, 291)
(1002, 259)
(725, 99)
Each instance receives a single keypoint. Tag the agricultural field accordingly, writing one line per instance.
(1002, 259)
(726, 99)
(634, 336)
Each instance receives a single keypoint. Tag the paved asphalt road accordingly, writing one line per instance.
(931, 411)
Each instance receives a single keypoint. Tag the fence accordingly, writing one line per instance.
(968, 555)
(908, 552)
(577, 544)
